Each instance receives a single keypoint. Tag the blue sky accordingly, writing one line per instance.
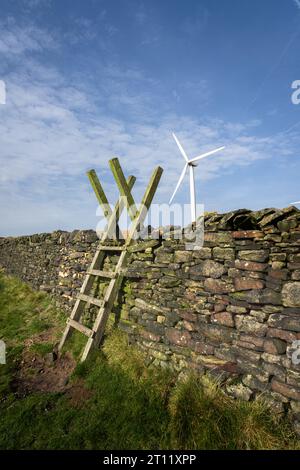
(87, 80)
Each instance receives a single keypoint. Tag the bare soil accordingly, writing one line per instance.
(48, 373)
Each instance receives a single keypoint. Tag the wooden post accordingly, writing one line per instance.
(100, 194)
(123, 187)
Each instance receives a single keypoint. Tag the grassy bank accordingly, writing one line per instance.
(112, 401)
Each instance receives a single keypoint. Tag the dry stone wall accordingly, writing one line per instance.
(231, 309)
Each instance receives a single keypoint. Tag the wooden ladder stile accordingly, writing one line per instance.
(99, 255)
(137, 216)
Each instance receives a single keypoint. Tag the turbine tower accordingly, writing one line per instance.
(191, 165)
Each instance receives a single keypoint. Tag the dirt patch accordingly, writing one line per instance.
(48, 373)
(37, 373)
(43, 373)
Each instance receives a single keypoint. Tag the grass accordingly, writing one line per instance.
(122, 404)
(23, 314)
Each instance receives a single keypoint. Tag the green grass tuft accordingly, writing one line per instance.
(203, 417)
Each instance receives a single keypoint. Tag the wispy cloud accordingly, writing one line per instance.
(141, 15)
(16, 39)
(33, 4)
(197, 23)
(297, 3)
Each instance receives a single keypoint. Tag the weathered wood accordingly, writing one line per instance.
(123, 187)
(90, 300)
(116, 277)
(146, 202)
(109, 298)
(96, 263)
(110, 229)
(80, 327)
(99, 273)
(100, 194)
(114, 285)
(113, 248)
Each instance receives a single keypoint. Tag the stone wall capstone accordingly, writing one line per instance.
(230, 309)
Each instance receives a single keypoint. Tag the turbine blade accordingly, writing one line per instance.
(292, 203)
(179, 182)
(206, 154)
(180, 148)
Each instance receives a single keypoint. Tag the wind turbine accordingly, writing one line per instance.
(191, 165)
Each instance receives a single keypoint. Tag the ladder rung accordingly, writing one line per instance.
(80, 327)
(112, 248)
(91, 300)
(96, 272)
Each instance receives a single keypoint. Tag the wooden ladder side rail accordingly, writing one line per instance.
(114, 285)
(96, 264)
(123, 187)
(116, 214)
(104, 311)
(146, 203)
(100, 194)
